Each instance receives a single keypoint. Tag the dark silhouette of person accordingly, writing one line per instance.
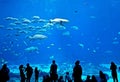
(88, 79)
(102, 77)
(36, 74)
(53, 72)
(93, 79)
(77, 72)
(67, 77)
(113, 68)
(22, 75)
(29, 72)
(4, 73)
(61, 79)
(46, 78)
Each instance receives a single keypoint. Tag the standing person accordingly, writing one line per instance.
(53, 72)
(36, 74)
(29, 72)
(4, 73)
(113, 69)
(77, 72)
(22, 75)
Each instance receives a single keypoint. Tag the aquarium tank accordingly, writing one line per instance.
(39, 31)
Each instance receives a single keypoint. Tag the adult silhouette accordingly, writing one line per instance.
(53, 71)
(22, 74)
(29, 72)
(113, 69)
(77, 72)
(4, 73)
(36, 74)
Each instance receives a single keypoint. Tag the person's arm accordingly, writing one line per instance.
(50, 68)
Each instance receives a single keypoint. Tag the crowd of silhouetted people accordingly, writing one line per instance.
(27, 72)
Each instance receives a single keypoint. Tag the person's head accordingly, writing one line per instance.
(77, 62)
(21, 66)
(93, 77)
(88, 76)
(100, 72)
(112, 63)
(67, 73)
(5, 66)
(36, 68)
(53, 61)
(61, 77)
(28, 65)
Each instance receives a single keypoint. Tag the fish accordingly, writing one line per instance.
(67, 33)
(31, 49)
(36, 17)
(17, 22)
(26, 21)
(81, 45)
(8, 18)
(37, 36)
(42, 20)
(59, 20)
(75, 27)
(11, 18)
(48, 25)
(9, 28)
(52, 44)
(51, 57)
(12, 24)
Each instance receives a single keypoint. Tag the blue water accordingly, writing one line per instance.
(98, 31)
